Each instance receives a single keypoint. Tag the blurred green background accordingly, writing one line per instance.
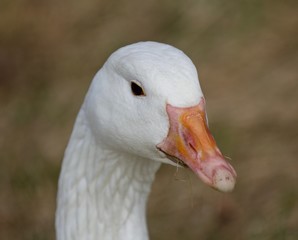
(246, 53)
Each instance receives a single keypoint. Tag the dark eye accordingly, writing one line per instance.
(136, 89)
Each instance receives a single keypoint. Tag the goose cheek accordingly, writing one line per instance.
(190, 142)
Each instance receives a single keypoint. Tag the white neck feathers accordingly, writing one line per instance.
(102, 193)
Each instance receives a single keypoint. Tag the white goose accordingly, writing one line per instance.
(144, 107)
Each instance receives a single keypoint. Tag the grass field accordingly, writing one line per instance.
(247, 56)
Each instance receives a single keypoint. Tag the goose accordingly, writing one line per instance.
(144, 107)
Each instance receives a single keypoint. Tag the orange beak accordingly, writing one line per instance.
(190, 143)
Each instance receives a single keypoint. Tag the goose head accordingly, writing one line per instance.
(146, 101)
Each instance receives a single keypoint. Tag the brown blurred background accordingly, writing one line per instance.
(246, 52)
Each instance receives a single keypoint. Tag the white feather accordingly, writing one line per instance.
(111, 159)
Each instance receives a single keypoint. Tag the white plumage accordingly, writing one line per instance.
(121, 136)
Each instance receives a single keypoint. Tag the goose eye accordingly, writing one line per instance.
(136, 89)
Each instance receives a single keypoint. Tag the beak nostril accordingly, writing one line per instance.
(192, 149)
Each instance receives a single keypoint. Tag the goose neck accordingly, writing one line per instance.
(102, 193)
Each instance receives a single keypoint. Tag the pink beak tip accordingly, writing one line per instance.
(224, 180)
